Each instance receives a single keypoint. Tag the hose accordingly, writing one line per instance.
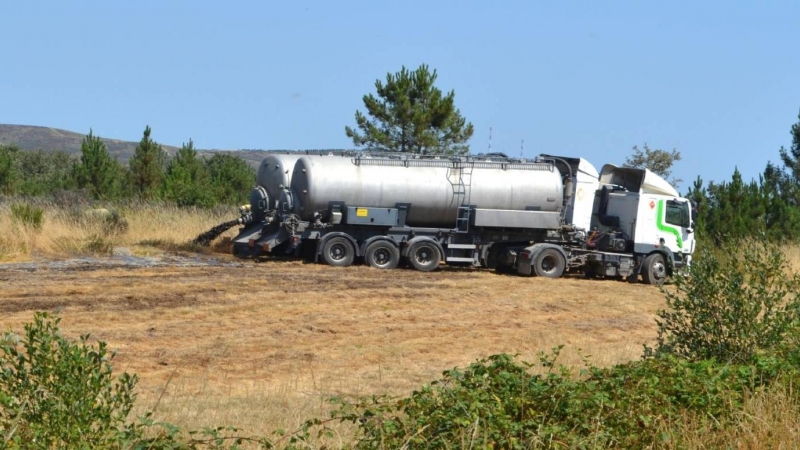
(205, 239)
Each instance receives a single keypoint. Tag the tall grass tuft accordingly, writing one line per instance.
(27, 215)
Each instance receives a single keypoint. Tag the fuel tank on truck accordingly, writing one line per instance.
(434, 188)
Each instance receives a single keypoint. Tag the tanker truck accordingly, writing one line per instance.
(544, 217)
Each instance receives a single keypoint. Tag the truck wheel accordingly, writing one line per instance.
(654, 270)
(338, 252)
(424, 256)
(549, 263)
(382, 255)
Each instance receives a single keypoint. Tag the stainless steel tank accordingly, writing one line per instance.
(275, 172)
(434, 188)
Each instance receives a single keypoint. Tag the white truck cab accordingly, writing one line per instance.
(654, 221)
(620, 223)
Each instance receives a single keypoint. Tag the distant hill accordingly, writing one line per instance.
(30, 137)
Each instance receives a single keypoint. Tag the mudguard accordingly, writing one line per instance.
(527, 255)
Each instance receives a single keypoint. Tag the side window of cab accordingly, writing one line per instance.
(678, 214)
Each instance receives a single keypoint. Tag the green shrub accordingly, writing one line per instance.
(55, 393)
(736, 301)
(27, 215)
(497, 403)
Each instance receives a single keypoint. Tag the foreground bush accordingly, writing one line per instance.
(55, 393)
(497, 403)
(737, 300)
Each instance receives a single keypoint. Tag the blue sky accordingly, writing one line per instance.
(719, 81)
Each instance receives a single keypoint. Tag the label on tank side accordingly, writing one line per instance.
(362, 212)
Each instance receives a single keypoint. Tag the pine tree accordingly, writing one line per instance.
(699, 197)
(147, 167)
(782, 212)
(411, 115)
(8, 171)
(97, 171)
(736, 209)
(187, 181)
(231, 178)
(791, 157)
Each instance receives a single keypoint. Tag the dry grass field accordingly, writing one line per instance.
(262, 345)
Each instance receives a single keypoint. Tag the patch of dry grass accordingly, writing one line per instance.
(768, 419)
(79, 230)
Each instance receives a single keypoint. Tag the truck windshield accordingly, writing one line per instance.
(678, 214)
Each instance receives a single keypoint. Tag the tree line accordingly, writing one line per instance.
(768, 207)
(187, 179)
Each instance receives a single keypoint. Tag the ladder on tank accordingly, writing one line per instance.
(460, 248)
(462, 189)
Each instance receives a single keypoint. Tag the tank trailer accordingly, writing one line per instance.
(543, 216)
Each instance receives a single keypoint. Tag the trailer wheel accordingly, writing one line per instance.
(549, 263)
(424, 256)
(382, 255)
(338, 252)
(654, 270)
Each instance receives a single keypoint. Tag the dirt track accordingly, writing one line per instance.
(233, 328)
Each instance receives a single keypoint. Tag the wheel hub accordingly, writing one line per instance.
(659, 270)
(382, 256)
(337, 252)
(423, 256)
(548, 264)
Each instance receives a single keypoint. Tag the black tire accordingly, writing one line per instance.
(424, 256)
(549, 263)
(654, 270)
(382, 255)
(338, 252)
